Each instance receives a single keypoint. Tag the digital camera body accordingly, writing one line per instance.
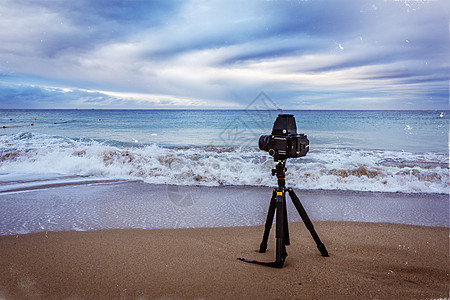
(284, 142)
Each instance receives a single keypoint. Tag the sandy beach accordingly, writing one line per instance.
(132, 240)
(367, 260)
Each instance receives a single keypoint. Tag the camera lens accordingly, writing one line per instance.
(264, 142)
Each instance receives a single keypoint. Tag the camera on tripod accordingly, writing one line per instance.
(284, 142)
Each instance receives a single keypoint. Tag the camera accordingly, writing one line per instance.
(284, 142)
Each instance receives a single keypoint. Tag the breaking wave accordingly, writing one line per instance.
(359, 170)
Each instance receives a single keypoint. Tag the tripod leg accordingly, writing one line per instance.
(298, 205)
(278, 204)
(286, 228)
(281, 229)
(269, 221)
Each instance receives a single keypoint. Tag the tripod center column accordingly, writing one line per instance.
(280, 171)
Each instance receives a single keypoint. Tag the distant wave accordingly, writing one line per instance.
(359, 170)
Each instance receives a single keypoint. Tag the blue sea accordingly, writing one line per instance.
(377, 151)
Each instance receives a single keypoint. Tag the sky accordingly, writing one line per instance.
(132, 54)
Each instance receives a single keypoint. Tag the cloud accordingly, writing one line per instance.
(31, 96)
(51, 27)
(223, 53)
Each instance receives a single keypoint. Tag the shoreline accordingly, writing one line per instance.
(139, 205)
(367, 260)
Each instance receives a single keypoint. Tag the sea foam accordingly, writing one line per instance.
(332, 169)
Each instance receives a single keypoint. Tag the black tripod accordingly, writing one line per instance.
(278, 204)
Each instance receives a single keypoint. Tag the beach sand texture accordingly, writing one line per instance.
(367, 261)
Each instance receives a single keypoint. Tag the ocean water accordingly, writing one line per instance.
(377, 151)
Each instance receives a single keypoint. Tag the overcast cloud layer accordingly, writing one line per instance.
(314, 54)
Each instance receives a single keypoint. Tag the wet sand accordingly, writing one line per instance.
(367, 261)
(97, 205)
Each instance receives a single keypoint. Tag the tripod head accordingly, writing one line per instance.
(280, 172)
